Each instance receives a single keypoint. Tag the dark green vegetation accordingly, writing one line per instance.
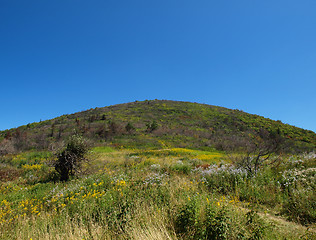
(156, 124)
(70, 159)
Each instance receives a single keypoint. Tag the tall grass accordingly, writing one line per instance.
(148, 197)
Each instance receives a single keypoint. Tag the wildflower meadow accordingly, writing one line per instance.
(157, 194)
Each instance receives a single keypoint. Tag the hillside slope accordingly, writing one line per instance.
(154, 124)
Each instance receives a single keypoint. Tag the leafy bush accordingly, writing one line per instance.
(186, 218)
(217, 224)
(181, 167)
(152, 126)
(129, 127)
(255, 226)
(70, 159)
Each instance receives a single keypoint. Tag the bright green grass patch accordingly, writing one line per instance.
(206, 156)
(30, 158)
(103, 149)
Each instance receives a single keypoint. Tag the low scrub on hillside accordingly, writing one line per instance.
(153, 125)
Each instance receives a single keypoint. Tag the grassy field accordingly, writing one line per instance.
(168, 193)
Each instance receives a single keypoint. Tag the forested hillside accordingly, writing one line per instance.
(155, 124)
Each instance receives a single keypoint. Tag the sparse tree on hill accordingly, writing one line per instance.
(129, 127)
(77, 122)
(52, 130)
(152, 126)
(259, 151)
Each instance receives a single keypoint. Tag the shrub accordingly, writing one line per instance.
(152, 126)
(186, 218)
(181, 167)
(217, 224)
(255, 226)
(69, 160)
(129, 127)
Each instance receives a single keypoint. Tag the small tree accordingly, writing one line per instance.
(69, 160)
(258, 152)
(129, 127)
(152, 126)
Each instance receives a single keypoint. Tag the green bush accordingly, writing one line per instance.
(181, 167)
(255, 226)
(217, 224)
(70, 159)
(186, 218)
(152, 126)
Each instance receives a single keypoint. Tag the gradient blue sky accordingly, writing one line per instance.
(63, 56)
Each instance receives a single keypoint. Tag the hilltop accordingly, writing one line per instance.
(155, 124)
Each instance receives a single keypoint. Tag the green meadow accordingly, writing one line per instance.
(166, 193)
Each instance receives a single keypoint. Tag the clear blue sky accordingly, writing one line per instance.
(64, 56)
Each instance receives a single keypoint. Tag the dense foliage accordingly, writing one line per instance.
(69, 160)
